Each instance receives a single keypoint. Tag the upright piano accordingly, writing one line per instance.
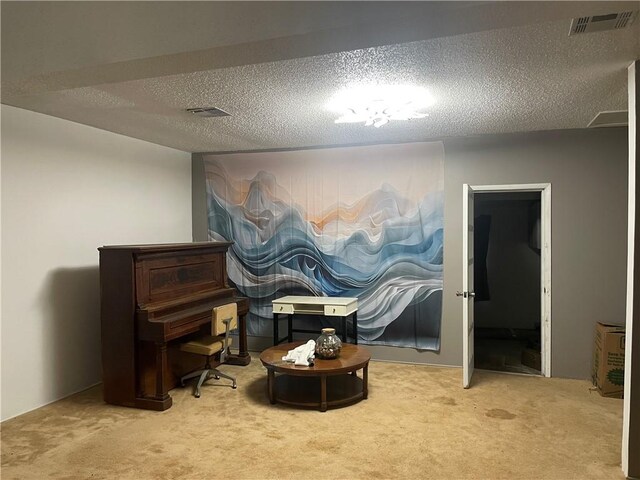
(153, 297)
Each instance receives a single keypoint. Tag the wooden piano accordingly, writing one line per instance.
(153, 297)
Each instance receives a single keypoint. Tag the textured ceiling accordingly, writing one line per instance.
(521, 78)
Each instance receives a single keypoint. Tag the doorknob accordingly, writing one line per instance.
(465, 294)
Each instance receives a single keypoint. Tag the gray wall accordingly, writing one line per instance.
(588, 173)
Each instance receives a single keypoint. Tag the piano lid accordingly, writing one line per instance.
(167, 247)
(168, 272)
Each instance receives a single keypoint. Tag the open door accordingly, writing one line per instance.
(468, 254)
(467, 293)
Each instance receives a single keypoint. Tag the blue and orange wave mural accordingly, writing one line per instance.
(363, 222)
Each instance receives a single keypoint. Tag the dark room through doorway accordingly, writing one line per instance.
(507, 277)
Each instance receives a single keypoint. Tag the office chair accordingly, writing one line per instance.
(224, 319)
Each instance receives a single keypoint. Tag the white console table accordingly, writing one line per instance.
(327, 306)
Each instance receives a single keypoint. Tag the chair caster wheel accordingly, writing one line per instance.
(197, 396)
(216, 377)
(182, 384)
(234, 386)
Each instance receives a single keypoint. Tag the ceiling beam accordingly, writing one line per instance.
(442, 20)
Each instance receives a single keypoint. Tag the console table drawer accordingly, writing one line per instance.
(336, 310)
(283, 308)
(338, 307)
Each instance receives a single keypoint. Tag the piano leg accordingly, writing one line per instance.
(162, 392)
(242, 358)
(158, 364)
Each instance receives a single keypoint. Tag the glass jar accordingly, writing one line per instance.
(328, 344)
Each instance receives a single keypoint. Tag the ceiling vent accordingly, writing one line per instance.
(617, 118)
(208, 112)
(599, 23)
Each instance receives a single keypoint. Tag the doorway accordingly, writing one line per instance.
(507, 334)
(506, 279)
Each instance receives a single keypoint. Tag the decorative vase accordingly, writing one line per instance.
(328, 344)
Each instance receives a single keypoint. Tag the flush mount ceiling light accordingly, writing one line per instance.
(378, 104)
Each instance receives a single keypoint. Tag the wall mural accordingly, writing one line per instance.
(362, 222)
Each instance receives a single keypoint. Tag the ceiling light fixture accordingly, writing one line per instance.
(378, 104)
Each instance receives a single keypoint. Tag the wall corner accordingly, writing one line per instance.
(199, 229)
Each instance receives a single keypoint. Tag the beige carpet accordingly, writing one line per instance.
(418, 423)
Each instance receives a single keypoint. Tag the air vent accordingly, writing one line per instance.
(208, 112)
(617, 118)
(599, 23)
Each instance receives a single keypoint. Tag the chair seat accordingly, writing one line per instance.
(206, 345)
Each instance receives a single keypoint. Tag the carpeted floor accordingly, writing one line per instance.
(417, 423)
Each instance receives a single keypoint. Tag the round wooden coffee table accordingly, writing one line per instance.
(339, 383)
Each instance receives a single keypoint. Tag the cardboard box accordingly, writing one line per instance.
(608, 360)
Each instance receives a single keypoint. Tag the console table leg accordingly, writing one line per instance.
(365, 379)
(275, 328)
(323, 393)
(270, 387)
(344, 329)
(355, 327)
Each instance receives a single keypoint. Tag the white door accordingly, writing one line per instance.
(467, 293)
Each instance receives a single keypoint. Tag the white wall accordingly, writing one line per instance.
(66, 190)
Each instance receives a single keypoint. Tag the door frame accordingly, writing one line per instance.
(545, 259)
(468, 287)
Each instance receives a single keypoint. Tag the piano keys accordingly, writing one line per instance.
(152, 297)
